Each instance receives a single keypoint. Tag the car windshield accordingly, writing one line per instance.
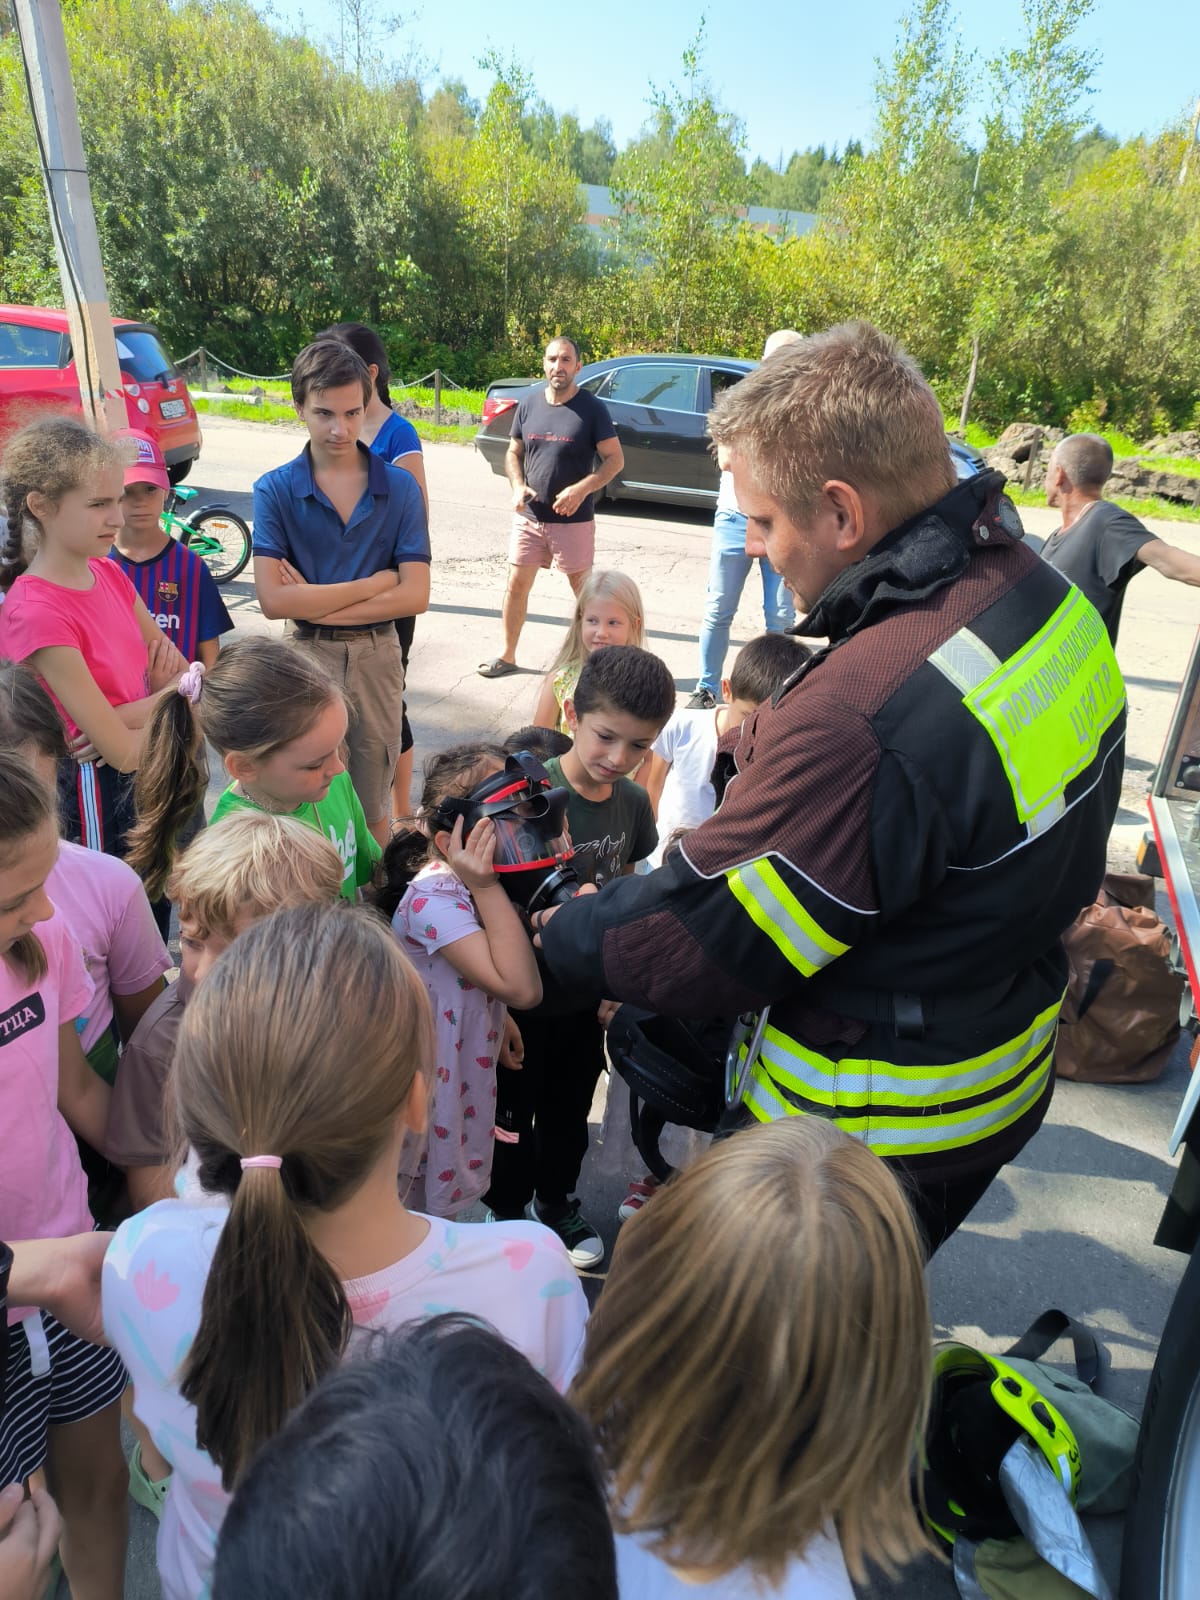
(141, 356)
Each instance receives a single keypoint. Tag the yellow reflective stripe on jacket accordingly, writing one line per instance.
(774, 909)
(1047, 707)
(933, 1128)
(852, 1081)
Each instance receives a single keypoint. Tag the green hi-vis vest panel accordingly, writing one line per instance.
(1047, 707)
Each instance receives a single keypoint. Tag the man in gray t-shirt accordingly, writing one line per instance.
(1100, 547)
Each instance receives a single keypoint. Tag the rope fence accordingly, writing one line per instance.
(200, 367)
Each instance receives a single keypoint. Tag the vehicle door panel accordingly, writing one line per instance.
(715, 380)
(661, 433)
(34, 378)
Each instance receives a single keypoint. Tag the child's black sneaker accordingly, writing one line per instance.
(702, 700)
(584, 1245)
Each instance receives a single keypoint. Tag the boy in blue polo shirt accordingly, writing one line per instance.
(177, 589)
(341, 548)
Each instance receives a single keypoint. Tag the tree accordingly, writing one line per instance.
(900, 208)
(498, 227)
(247, 191)
(1030, 140)
(803, 184)
(678, 191)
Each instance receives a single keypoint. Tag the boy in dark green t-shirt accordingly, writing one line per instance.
(620, 706)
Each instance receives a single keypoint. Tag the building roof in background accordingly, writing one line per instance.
(602, 213)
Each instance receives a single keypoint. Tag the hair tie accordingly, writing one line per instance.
(189, 683)
(261, 1161)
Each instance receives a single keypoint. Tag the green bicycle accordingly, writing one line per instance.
(218, 535)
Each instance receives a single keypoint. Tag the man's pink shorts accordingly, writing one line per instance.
(571, 546)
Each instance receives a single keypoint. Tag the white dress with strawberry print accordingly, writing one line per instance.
(455, 1165)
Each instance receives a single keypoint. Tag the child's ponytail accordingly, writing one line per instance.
(405, 855)
(259, 695)
(172, 776)
(284, 1132)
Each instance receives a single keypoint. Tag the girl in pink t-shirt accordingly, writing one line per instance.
(77, 620)
(61, 1394)
(464, 936)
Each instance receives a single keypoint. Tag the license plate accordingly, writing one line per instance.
(172, 408)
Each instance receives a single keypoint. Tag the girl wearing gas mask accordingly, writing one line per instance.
(464, 935)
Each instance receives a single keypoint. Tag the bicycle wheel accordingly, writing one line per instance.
(222, 541)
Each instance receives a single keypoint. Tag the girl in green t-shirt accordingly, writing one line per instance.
(278, 721)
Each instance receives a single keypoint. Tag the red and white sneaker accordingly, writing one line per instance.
(641, 1191)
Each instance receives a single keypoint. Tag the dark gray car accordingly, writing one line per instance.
(659, 407)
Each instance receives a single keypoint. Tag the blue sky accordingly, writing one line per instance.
(797, 73)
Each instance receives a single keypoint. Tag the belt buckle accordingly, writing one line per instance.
(746, 1028)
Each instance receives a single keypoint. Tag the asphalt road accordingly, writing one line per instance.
(1070, 1223)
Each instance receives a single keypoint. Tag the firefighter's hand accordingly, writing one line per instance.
(540, 918)
(606, 1011)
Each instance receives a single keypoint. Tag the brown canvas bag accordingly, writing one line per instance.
(1120, 1020)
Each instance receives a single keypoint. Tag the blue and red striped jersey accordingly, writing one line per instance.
(181, 595)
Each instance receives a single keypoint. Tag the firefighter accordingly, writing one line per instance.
(917, 815)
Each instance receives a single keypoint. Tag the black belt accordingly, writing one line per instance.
(311, 630)
(908, 1014)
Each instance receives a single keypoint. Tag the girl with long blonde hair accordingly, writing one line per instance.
(608, 611)
(757, 1372)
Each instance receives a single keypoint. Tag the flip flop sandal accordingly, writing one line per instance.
(499, 668)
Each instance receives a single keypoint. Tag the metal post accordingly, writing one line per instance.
(437, 396)
(204, 383)
(72, 220)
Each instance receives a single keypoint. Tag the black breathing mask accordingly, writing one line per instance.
(533, 848)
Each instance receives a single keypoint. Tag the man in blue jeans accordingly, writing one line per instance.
(728, 568)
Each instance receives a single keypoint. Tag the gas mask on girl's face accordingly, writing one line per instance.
(533, 849)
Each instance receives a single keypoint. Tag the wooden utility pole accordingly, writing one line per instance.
(1191, 144)
(72, 221)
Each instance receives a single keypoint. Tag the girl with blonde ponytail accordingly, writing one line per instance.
(301, 1061)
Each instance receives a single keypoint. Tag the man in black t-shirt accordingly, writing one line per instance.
(1100, 547)
(557, 433)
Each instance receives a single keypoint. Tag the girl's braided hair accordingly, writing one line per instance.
(49, 457)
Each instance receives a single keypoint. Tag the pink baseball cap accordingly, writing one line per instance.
(147, 465)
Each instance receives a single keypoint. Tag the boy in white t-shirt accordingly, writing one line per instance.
(679, 780)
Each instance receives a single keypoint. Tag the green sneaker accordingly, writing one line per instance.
(584, 1245)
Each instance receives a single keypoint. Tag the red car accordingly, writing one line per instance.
(37, 374)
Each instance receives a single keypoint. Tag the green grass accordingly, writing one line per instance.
(445, 432)
(1151, 506)
(245, 411)
(455, 399)
(1189, 466)
(283, 416)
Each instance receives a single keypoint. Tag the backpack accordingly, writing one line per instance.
(1014, 1450)
(1120, 1019)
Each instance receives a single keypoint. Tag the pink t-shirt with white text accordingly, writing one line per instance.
(99, 622)
(108, 913)
(43, 1192)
